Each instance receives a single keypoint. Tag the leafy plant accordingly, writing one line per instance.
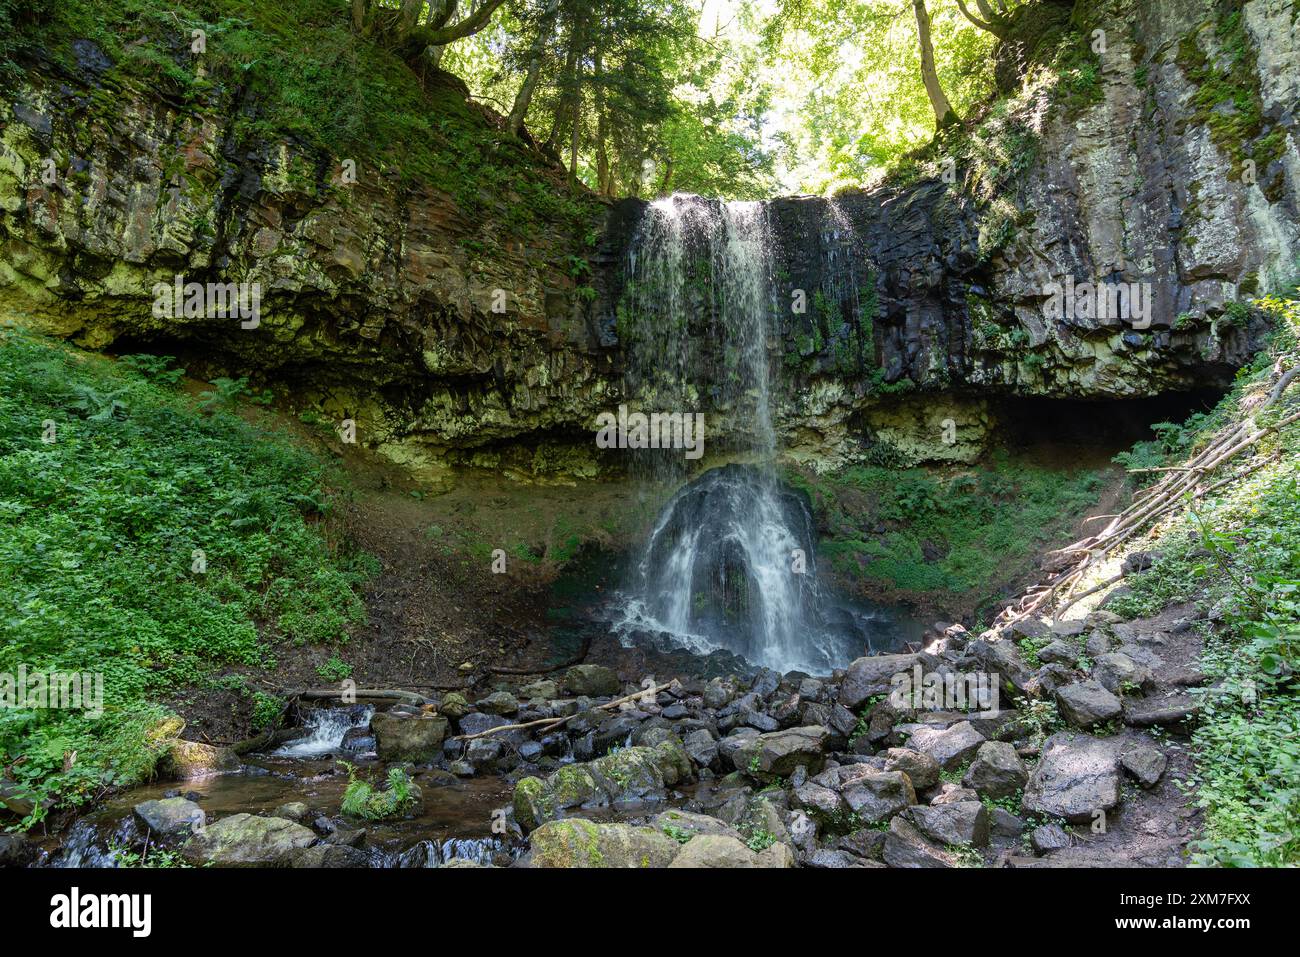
(363, 800)
(336, 669)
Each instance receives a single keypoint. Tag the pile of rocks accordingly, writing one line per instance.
(841, 771)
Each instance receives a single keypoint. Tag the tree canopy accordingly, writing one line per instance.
(738, 98)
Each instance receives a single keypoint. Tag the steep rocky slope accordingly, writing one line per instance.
(478, 326)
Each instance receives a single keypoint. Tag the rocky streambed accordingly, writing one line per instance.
(1072, 763)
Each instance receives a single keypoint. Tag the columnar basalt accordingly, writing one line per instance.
(381, 300)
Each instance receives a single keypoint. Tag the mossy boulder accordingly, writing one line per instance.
(246, 840)
(408, 738)
(592, 681)
(580, 843)
(454, 706)
(721, 850)
(623, 776)
(193, 759)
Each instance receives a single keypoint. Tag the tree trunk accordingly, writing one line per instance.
(603, 184)
(991, 22)
(359, 10)
(943, 111)
(576, 130)
(524, 98)
(570, 66)
(408, 15)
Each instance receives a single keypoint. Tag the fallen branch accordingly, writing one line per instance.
(556, 722)
(1150, 505)
(378, 694)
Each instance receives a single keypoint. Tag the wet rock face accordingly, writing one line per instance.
(379, 297)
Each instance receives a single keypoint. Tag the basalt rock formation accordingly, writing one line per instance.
(453, 337)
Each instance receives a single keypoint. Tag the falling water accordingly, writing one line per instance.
(326, 728)
(730, 562)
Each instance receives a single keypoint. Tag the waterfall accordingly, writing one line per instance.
(729, 563)
(325, 730)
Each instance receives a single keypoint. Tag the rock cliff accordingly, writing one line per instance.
(454, 333)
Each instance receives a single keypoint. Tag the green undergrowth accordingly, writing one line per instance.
(956, 538)
(295, 71)
(149, 538)
(1237, 554)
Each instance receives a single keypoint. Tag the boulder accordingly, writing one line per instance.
(717, 693)
(1171, 709)
(329, 856)
(778, 753)
(952, 794)
(545, 689)
(1117, 673)
(870, 676)
(292, 811)
(1059, 652)
(1004, 824)
(16, 850)
(170, 816)
(500, 702)
(482, 754)
(905, 846)
(879, 794)
(826, 859)
(1145, 764)
(245, 840)
(1086, 703)
(454, 705)
(579, 843)
(1076, 777)
(721, 850)
(624, 776)
(408, 738)
(193, 759)
(681, 826)
(865, 842)
(997, 771)
(921, 769)
(1003, 659)
(701, 748)
(593, 681)
(962, 822)
(818, 801)
(951, 747)
(1048, 838)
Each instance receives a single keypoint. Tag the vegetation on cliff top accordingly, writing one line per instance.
(295, 71)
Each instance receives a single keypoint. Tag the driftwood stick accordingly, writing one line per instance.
(562, 720)
(1156, 502)
(381, 694)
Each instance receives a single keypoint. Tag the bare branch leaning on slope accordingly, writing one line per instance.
(1179, 485)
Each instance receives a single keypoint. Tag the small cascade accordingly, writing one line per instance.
(326, 728)
(480, 850)
(85, 844)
